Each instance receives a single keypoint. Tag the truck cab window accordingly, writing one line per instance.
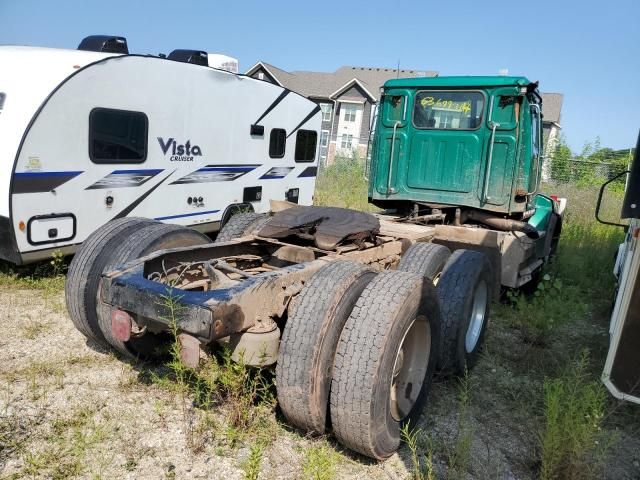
(277, 142)
(117, 136)
(306, 141)
(454, 110)
(394, 109)
(535, 133)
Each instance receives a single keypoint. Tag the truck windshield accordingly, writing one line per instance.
(453, 110)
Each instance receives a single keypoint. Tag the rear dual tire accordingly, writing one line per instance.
(464, 291)
(309, 340)
(148, 239)
(426, 259)
(83, 278)
(384, 362)
(241, 225)
(115, 243)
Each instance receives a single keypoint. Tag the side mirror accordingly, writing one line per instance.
(599, 202)
(631, 204)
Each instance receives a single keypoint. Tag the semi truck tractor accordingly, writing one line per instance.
(355, 310)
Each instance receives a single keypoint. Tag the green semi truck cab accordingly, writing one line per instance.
(462, 142)
(467, 152)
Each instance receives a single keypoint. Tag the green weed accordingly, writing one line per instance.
(319, 462)
(459, 457)
(243, 395)
(251, 465)
(413, 437)
(574, 407)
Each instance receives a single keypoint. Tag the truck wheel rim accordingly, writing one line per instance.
(478, 311)
(410, 367)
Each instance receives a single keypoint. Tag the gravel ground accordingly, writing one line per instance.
(69, 409)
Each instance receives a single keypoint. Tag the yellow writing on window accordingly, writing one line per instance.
(440, 103)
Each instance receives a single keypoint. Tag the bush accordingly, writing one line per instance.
(343, 184)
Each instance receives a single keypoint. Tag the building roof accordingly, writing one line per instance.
(325, 84)
(370, 79)
(552, 107)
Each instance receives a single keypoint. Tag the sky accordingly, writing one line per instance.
(588, 50)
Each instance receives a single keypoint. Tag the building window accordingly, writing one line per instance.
(324, 138)
(327, 110)
(350, 113)
(277, 142)
(346, 141)
(260, 76)
(117, 136)
(306, 142)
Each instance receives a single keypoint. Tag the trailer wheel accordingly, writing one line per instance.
(309, 340)
(426, 259)
(81, 285)
(241, 224)
(148, 239)
(465, 296)
(384, 362)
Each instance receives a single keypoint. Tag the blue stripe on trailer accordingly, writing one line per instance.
(276, 173)
(153, 171)
(169, 217)
(309, 172)
(38, 182)
(47, 174)
(226, 169)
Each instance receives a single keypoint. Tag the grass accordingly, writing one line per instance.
(243, 396)
(343, 184)
(319, 462)
(459, 457)
(572, 441)
(47, 276)
(251, 465)
(69, 441)
(421, 463)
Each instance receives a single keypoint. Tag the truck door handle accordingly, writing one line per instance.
(485, 188)
(391, 190)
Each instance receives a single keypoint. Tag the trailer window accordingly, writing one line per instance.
(277, 142)
(117, 136)
(306, 141)
(452, 110)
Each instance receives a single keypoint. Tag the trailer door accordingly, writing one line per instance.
(622, 369)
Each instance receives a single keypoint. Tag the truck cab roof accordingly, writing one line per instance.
(458, 82)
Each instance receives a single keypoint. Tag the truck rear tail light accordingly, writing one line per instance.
(121, 324)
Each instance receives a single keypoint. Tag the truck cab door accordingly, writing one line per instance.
(501, 153)
(392, 141)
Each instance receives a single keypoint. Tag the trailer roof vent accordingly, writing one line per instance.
(196, 57)
(105, 44)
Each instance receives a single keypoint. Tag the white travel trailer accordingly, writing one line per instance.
(622, 369)
(88, 136)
